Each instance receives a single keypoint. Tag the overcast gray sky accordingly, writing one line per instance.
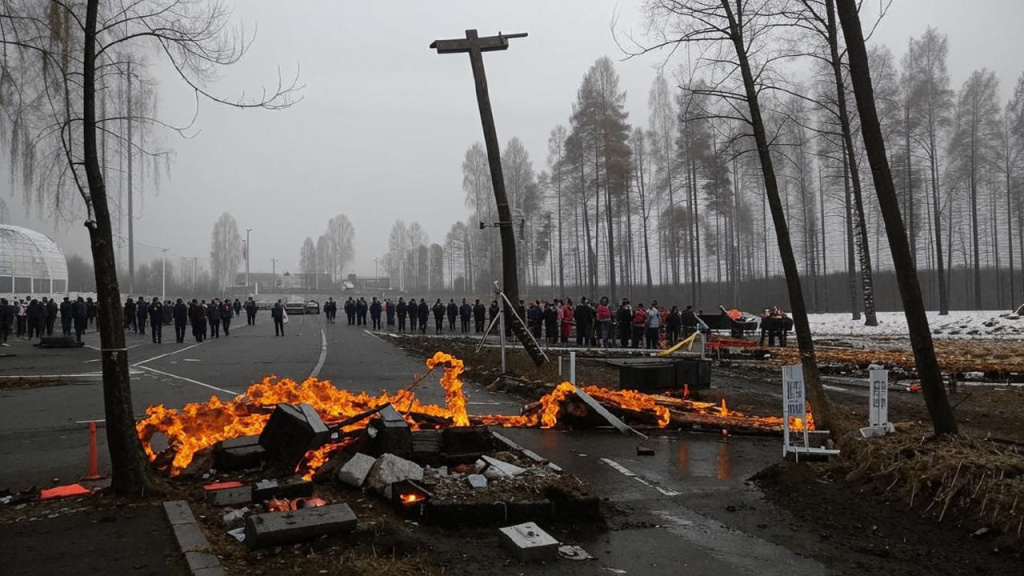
(384, 121)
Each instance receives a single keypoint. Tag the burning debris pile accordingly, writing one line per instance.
(344, 415)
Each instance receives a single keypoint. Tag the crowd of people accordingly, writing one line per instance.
(31, 318)
(556, 321)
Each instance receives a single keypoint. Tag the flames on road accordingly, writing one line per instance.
(198, 426)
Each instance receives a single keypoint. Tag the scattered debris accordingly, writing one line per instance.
(477, 480)
(528, 543)
(389, 469)
(573, 553)
(67, 491)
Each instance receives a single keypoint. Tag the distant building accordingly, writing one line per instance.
(286, 281)
(30, 263)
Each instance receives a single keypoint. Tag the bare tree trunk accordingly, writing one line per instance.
(131, 475)
(816, 393)
(863, 248)
(932, 389)
(851, 266)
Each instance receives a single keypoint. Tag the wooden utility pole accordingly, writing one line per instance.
(475, 47)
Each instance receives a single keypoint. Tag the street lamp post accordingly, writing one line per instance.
(248, 255)
(376, 277)
(273, 272)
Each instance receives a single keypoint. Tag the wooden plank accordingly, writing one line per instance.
(603, 412)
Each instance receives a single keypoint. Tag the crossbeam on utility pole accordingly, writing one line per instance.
(475, 46)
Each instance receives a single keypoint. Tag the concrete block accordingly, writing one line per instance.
(354, 472)
(282, 528)
(239, 454)
(231, 496)
(528, 543)
(190, 538)
(390, 469)
(178, 512)
(477, 480)
(290, 487)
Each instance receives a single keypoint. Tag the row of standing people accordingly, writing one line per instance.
(416, 314)
(207, 319)
(34, 318)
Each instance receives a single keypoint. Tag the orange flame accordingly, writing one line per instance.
(411, 498)
(452, 385)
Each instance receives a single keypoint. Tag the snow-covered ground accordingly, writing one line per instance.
(957, 325)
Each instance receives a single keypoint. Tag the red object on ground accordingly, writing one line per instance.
(64, 492)
(222, 485)
(93, 472)
(313, 502)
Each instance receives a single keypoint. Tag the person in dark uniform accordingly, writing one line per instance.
(493, 310)
(465, 313)
(6, 317)
(65, 317)
(40, 318)
(389, 313)
(330, 309)
(375, 310)
(689, 321)
(400, 309)
(479, 315)
(129, 315)
(424, 315)
(250, 311)
(156, 320)
(213, 317)
(350, 311)
(51, 315)
(141, 315)
(414, 314)
(180, 320)
(277, 313)
(551, 322)
(584, 316)
(197, 314)
(236, 307)
(439, 309)
(90, 311)
(226, 312)
(673, 325)
(81, 318)
(453, 313)
(624, 320)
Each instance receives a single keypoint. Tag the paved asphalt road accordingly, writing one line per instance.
(675, 505)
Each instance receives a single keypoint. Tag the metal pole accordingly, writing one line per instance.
(163, 275)
(273, 272)
(131, 217)
(501, 330)
(572, 367)
(248, 256)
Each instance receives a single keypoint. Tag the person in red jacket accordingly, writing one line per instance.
(567, 314)
(603, 315)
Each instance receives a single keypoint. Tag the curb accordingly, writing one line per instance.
(191, 540)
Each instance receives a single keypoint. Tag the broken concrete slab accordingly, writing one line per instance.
(354, 472)
(239, 496)
(494, 468)
(390, 469)
(282, 528)
(528, 543)
(290, 487)
(477, 480)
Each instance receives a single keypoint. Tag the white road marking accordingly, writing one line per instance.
(148, 360)
(630, 474)
(323, 355)
(189, 380)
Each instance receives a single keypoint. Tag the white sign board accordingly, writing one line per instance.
(878, 410)
(794, 400)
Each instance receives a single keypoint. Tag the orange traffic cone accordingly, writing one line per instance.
(93, 473)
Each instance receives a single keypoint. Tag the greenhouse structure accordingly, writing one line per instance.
(30, 263)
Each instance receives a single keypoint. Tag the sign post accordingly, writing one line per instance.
(878, 404)
(794, 403)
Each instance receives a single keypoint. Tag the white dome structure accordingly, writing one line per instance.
(30, 263)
